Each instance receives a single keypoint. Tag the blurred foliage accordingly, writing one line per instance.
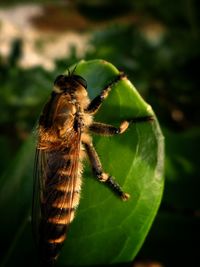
(15, 2)
(165, 70)
(22, 93)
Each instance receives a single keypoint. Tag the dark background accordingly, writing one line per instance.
(157, 44)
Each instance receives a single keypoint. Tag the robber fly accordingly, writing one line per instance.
(63, 141)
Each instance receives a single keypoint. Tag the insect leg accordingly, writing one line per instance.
(109, 130)
(100, 174)
(95, 104)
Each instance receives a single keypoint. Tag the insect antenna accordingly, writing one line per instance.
(68, 72)
(74, 69)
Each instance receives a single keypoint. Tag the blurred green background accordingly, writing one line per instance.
(157, 43)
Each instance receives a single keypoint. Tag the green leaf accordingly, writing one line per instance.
(106, 230)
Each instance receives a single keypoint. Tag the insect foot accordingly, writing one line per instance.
(123, 126)
(125, 196)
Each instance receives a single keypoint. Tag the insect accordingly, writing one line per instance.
(64, 139)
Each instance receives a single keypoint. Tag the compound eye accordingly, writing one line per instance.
(59, 79)
(80, 80)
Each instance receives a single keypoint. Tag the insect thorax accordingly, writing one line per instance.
(63, 113)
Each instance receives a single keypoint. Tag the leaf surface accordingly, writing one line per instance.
(105, 230)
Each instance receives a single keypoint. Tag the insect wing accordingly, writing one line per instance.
(55, 186)
(36, 211)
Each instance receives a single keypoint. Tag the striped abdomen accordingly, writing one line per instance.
(59, 200)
